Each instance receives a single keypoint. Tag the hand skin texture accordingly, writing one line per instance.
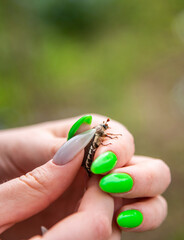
(34, 191)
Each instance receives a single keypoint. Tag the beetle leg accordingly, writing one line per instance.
(115, 134)
(105, 144)
(101, 141)
(107, 135)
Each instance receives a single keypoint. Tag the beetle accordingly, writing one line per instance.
(95, 142)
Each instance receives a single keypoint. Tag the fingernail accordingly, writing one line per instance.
(104, 163)
(43, 230)
(130, 218)
(72, 147)
(116, 183)
(87, 119)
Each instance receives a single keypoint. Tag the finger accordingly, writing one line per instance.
(115, 150)
(144, 177)
(23, 197)
(92, 221)
(61, 128)
(143, 215)
(27, 150)
(36, 238)
(116, 233)
(123, 146)
(4, 227)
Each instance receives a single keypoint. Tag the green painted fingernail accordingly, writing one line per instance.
(85, 119)
(116, 183)
(130, 218)
(104, 163)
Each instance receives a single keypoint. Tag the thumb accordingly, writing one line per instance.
(25, 196)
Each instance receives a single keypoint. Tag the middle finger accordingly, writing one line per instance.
(143, 177)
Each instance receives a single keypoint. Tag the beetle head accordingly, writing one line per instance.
(105, 124)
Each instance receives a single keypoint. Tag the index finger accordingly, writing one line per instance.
(122, 146)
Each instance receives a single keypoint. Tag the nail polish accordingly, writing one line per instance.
(72, 147)
(130, 218)
(87, 119)
(116, 183)
(104, 163)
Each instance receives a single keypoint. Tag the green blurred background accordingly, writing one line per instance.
(123, 59)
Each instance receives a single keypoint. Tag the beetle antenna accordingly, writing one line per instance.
(108, 119)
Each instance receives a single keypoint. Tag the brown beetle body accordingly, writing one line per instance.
(95, 143)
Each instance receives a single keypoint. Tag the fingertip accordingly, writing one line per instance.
(153, 212)
(122, 147)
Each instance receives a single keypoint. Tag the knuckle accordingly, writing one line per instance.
(132, 143)
(160, 213)
(149, 183)
(131, 138)
(149, 180)
(36, 180)
(164, 207)
(165, 170)
(102, 227)
(54, 148)
(168, 174)
(162, 202)
(160, 163)
(128, 145)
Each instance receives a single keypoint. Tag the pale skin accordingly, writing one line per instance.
(30, 183)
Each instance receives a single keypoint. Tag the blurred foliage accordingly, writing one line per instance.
(79, 17)
(124, 59)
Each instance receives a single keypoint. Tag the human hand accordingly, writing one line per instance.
(43, 142)
(92, 220)
(32, 188)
